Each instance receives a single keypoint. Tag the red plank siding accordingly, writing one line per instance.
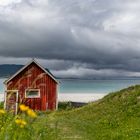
(33, 77)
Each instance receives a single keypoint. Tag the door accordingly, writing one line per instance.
(11, 100)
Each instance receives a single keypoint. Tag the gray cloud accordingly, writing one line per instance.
(73, 38)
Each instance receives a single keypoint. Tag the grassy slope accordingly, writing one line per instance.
(115, 117)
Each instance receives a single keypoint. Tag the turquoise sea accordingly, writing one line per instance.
(2, 85)
(89, 86)
(95, 86)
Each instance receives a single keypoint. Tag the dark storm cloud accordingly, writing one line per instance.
(73, 38)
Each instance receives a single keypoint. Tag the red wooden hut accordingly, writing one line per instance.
(32, 85)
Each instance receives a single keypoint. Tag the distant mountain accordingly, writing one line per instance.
(7, 70)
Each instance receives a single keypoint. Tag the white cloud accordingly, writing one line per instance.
(8, 2)
(62, 34)
(93, 73)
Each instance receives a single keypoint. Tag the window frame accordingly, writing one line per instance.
(38, 90)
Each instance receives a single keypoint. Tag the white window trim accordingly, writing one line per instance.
(32, 96)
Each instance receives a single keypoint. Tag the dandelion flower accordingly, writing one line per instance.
(21, 126)
(2, 111)
(23, 107)
(31, 113)
(20, 122)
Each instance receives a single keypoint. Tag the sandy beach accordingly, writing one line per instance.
(1, 97)
(75, 97)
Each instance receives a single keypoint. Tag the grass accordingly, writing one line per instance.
(115, 117)
(65, 106)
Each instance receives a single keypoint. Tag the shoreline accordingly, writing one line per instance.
(74, 97)
(80, 97)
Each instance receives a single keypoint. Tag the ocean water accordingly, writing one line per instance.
(2, 85)
(95, 86)
(89, 86)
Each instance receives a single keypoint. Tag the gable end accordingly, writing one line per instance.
(24, 67)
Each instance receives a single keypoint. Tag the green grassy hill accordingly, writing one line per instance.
(115, 117)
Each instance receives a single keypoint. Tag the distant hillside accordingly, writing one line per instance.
(7, 70)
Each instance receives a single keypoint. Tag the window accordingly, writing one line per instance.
(32, 93)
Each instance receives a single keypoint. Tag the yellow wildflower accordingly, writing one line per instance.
(21, 126)
(20, 122)
(2, 111)
(31, 113)
(23, 107)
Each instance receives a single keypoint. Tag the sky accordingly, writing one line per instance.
(73, 38)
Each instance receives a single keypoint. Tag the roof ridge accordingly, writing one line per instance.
(25, 66)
